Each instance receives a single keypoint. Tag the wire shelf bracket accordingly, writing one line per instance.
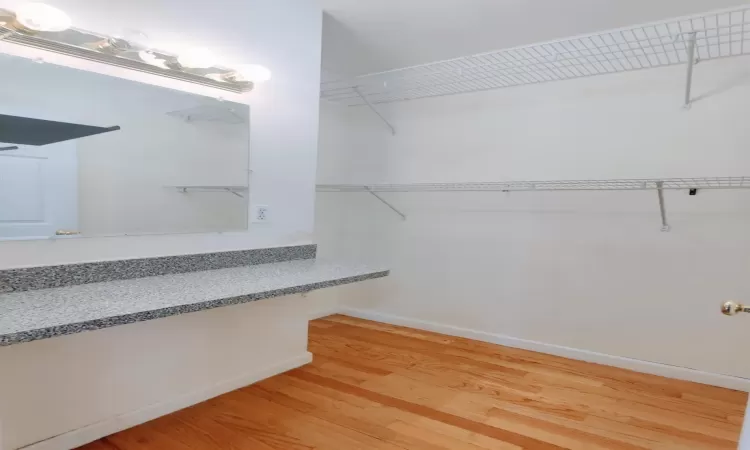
(633, 184)
(234, 190)
(691, 60)
(208, 113)
(375, 110)
(388, 204)
(662, 207)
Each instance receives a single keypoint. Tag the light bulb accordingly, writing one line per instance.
(254, 73)
(198, 58)
(42, 17)
(152, 59)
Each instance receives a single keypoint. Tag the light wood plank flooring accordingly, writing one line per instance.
(376, 386)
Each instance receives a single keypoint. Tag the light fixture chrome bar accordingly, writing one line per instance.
(690, 66)
(372, 107)
(393, 208)
(35, 41)
(662, 208)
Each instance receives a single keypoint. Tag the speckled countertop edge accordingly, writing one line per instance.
(330, 275)
(48, 277)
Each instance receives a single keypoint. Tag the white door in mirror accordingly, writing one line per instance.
(260, 213)
(38, 191)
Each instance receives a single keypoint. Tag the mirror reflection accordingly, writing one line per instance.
(85, 154)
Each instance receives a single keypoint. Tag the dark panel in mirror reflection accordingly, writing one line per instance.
(30, 131)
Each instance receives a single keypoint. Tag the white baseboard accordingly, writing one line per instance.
(680, 373)
(90, 433)
(322, 313)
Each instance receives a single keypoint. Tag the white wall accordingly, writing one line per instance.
(586, 270)
(105, 380)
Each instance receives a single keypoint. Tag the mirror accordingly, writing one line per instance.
(93, 155)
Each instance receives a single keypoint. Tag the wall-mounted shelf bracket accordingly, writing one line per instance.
(662, 208)
(234, 190)
(386, 203)
(691, 60)
(235, 193)
(377, 113)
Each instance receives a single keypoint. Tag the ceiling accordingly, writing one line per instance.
(365, 36)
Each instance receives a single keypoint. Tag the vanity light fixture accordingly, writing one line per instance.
(197, 58)
(35, 17)
(47, 28)
(252, 72)
(221, 77)
(150, 58)
(128, 40)
(249, 73)
(114, 45)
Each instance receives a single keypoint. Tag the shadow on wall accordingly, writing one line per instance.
(737, 80)
(344, 49)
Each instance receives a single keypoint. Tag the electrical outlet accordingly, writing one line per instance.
(260, 213)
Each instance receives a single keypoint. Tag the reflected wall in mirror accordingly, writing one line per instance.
(92, 155)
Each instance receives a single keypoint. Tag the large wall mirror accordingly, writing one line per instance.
(87, 154)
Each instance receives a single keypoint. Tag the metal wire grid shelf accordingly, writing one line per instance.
(635, 184)
(561, 185)
(708, 36)
(234, 190)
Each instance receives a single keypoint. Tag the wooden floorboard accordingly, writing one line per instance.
(378, 386)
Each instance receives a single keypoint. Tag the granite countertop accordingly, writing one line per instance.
(41, 314)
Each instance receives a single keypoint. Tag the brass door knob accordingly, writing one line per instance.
(67, 233)
(732, 308)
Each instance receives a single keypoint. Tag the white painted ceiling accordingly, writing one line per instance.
(365, 36)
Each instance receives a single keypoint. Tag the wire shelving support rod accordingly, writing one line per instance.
(375, 110)
(690, 66)
(662, 208)
(388, 204)
(234, 190)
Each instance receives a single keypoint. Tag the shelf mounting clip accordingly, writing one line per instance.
(691, 60)
(385, 202)
(662, 208)
(377, 113)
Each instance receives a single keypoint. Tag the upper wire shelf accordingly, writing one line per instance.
(209, 113)
(234, 190)
(560, 185)
(717, 35)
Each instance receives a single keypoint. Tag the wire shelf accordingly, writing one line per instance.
(234, 190)
(209, 113)
(560, 185)
(717, 35)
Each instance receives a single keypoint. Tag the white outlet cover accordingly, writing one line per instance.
(260, 213)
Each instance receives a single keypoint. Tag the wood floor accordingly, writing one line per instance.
(376, 386)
